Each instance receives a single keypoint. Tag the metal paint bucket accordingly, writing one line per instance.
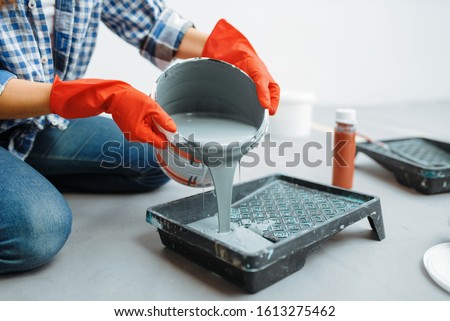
(219, 90)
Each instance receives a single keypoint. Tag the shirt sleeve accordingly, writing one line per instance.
(5, 77)
(148, 25)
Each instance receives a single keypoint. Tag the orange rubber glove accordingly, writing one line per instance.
(133, 111)
(226, 43)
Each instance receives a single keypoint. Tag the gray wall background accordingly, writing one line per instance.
(348, 52)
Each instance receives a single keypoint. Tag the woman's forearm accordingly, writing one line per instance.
(23, 99)
(192, 44)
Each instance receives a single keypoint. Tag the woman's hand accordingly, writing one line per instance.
(133, 111)
(226, 43)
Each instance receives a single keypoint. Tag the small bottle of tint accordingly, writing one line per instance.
(344, 148)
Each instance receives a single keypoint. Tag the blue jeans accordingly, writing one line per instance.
(90, 156)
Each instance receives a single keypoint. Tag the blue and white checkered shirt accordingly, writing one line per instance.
(26, 50)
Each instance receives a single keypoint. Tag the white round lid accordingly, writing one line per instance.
(437, 264)
(346, 116)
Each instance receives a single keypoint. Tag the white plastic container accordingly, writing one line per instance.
(294, 115)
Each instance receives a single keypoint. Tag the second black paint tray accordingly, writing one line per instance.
(419, 163)
(297, 216)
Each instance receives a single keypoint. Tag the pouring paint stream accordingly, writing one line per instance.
(217, 104)
(206, 130)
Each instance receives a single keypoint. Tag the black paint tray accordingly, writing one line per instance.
(419, 163)
(302, 216)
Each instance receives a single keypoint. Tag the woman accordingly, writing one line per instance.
(45, 48)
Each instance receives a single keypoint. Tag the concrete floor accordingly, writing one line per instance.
(114, 254)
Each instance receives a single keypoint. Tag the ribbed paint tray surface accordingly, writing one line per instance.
(419, 163)
(292, 218)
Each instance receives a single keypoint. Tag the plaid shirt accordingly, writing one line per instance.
(26, 50)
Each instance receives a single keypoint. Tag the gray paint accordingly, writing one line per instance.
(204, 130)
(218, 116)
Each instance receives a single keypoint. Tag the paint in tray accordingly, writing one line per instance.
(276, 222)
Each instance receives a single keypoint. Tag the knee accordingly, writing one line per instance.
(152, 178)
(143, 162)
(36, 232)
